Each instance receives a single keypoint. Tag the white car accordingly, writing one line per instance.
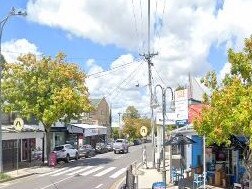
(66, 152)
(121, 145)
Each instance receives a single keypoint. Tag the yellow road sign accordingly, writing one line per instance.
(143, 131)
(18, 124)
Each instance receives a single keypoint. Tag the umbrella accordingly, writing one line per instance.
(179, 139)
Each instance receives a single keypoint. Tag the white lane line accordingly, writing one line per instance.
(68, 170)
(118, 173)
(53, 184)
(105, 171)
(99, 186)
(50, 173)
(91, 171)
(81, 170)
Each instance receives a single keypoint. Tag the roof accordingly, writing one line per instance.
(87, 126)
(95, 102)
(26, 128)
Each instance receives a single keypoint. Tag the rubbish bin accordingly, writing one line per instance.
(158, 185)
(53, 159)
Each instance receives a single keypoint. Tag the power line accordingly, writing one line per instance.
(158, 75)
(121, 66)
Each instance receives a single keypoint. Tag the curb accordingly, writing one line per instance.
(18, 177)
(117, 183)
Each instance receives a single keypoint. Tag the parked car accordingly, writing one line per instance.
(66, 152)
(101, 148)
(109, 146)
(137, 142)
(86, 151)
(121, 145)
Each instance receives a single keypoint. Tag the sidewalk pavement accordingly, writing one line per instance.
(24, 172)
(146, 177)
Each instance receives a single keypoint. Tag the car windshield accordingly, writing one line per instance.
(58, 148)
(119, 140)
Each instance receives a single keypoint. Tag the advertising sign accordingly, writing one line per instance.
(181, 105)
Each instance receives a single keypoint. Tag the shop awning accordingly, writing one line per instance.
(86, 129)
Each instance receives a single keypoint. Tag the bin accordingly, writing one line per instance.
(158, 185)
(53, 159)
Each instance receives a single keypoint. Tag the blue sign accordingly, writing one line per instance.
(182, 122)
(158, 185)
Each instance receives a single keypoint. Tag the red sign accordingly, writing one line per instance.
(194, 111)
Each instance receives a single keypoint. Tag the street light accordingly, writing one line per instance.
(13, 12)
(155, 104)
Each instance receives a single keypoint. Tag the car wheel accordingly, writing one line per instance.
(114, 152)
(67, 158)
(76, 156)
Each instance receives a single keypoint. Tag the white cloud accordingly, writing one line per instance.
(225, 70)
(14, 48)
(189, 29)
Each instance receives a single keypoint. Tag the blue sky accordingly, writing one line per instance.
(194, 37)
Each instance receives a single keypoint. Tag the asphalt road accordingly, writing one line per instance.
(98, 172)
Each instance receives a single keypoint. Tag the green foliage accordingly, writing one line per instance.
(4, 177)
(115, 133)
(131, 112)
(48, 89)
(133, 122)
(229, 109)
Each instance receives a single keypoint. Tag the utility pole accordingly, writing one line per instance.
(119, 122)
(148, 58)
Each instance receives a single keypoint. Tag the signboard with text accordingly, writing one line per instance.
(170, 118)
(181, 107)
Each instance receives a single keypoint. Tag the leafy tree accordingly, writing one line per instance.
(131, 112)
(47, 89)
(115, 133)
(229, 109)
(133, 122)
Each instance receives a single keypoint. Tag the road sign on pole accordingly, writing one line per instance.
(18, 124)
(143, 131)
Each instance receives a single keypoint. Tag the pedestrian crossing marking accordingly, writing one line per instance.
(81, 170)
(50, 173)
(118, 173)
(68, 170)
(105, 172)
(91, 171)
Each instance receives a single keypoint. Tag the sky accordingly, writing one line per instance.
(107, 39)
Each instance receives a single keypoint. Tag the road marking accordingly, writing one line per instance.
(81, 170)
(53, 184)
(99, 186)
(50, 173)
(68, 170)
(105, 171)
(118, 173)
(91, 171)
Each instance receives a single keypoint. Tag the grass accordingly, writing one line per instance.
(4, 177)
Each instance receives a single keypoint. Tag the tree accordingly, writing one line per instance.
(47, 89)
(133, 122)
(229, 109)
(131, 112)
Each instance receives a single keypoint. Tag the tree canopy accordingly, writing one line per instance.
(229, 109)
(47, 89)
(133, 122)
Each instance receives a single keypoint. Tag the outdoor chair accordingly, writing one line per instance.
(197, 180)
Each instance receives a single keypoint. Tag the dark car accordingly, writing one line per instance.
(86, 151)
(137, 142)
(101, 148)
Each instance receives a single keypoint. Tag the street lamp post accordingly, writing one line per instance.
(13, 12)
(163, 127)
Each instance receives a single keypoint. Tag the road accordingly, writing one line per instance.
(98, 172)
